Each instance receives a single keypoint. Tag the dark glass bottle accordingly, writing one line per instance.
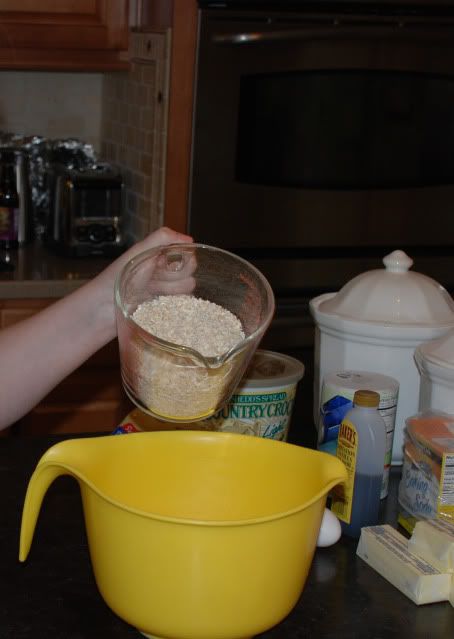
(9, 205)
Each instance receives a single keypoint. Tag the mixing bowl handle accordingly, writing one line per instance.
(40, 481)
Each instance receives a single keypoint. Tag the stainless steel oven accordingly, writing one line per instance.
(323, 139)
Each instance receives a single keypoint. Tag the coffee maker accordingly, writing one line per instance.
(14, 161)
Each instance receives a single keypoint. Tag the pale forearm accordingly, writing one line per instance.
(38, 353)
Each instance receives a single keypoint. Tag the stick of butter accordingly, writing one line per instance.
(386, 551)
(433, 540)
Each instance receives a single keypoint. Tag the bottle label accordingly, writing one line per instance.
(347, 451)
(8, 223)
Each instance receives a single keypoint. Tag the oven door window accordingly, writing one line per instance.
(346, 129)
(313, 138)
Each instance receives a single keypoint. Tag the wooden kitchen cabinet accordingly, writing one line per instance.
(91, 399)
(181, 96)
(181, 17)
(81, 35)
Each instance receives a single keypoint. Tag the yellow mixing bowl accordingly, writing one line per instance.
(192, 534)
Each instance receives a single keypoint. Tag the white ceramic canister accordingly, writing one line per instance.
(374, 323)
(338, 390)
(435, 362)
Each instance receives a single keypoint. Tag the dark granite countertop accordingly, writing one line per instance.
(39, 273)
(53, 594)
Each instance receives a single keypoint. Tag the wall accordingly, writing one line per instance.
(122, 114)
(135, 106)
(55, 105)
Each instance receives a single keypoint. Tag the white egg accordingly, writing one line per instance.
(330, 530)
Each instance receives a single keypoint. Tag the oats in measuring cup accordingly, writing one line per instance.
(169, 386)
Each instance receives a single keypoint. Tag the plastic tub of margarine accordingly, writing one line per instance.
(261, 405)
(263, 401)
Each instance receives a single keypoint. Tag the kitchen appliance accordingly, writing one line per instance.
(189, 532)
(322, 140)
(168, 380)
(85, 210)
(374, 323)
(18, 159)
(323, 134)
(435, 362)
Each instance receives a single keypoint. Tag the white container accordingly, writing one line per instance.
(374, 323)
(435, 362)
(337, 394)
(262, 403)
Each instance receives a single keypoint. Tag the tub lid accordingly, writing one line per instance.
(268, 369)
(393, 295)
(439, 351)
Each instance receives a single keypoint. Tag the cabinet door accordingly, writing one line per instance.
(12, 311)
(63, 34)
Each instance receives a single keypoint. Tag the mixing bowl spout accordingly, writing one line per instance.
(332, 472)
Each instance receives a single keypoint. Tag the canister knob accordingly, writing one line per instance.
(397, 262)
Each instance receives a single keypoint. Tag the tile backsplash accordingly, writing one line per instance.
(134, 129)
(122, 114)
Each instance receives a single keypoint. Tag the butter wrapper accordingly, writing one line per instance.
(433, 540)
(386, 551)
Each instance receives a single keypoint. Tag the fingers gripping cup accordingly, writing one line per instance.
(189, 319)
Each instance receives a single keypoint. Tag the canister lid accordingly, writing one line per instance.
(355, 379)
(393, 295)
(268, 369)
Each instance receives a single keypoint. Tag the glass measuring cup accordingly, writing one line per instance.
(171, 381)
